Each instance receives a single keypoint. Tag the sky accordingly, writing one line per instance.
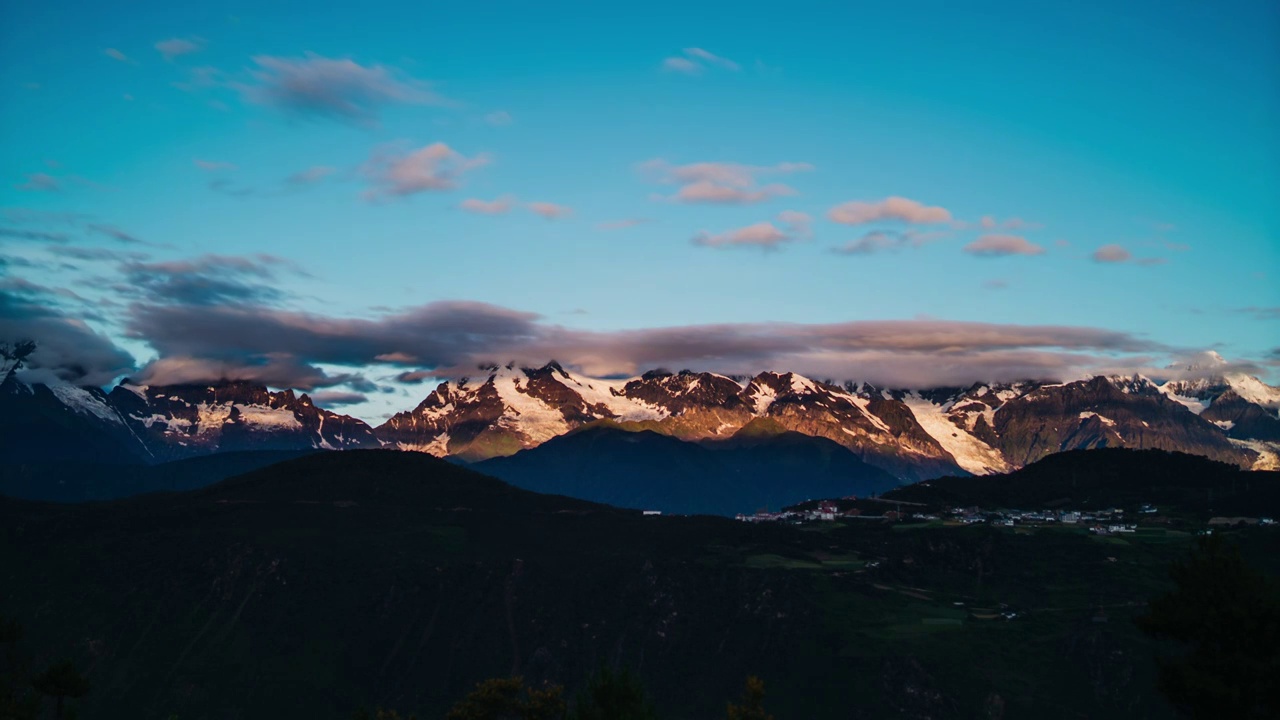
(355, 201)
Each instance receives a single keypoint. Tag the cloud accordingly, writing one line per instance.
(335, 398)
(115, 54)
(342, 89)
(68, 349)
(231, 189)
(499, 118)
(887, 240)
(1261, 313)
(176, 47)
(449, 338)
(1112, 254)
(762, 235)
(274, 370)
(696, 60)
(435, 167)
(40, 182)
(497, 206)
(681, 65)
(712, 59)
(989, 222)
(113, 232)
(995, 284)
(857, 212)
(310, 176)
(97, 254)
(721, 182)
(1002, 245)
(208, 280)
(36, 235)
(214, 165)
(622, 224)
(799, 225)
(550, 211)
(281, 348)
(1118, 254)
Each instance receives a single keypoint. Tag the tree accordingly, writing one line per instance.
(61, 681)
(17, 702)
(751, 706)
(381, 714)
(509, 699)
(612, 696)
(1226, 616)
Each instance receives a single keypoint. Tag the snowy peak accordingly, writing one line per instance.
(182, 420)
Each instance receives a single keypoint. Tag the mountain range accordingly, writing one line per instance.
(503, 410)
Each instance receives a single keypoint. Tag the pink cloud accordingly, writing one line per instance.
(1112, 254)
(497, 206)
(989, 222)
(762, 234)
(550, 211)
(721, 182)
(856, 212)
(1000, 245)
(435, 167)
(798, 224)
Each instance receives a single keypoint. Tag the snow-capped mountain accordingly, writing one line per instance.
(510, 408)
(913, 434)
(1243, 407)
(182, 420)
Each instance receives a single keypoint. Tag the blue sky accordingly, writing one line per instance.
(1075, 165)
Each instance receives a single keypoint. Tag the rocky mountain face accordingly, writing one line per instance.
(511, 408)
(66, 423)
(912, 434)
(135, 423)
(183, 420)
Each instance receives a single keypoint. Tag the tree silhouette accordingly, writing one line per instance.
(509, 699)
(61, 681)
(1226, 615)
(17, 702)
(613, 696)
(751, 706)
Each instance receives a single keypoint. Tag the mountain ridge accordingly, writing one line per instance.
(912, 434)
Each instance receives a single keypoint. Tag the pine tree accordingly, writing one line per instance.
(751, 706)
(613, 696)
(61, 681)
